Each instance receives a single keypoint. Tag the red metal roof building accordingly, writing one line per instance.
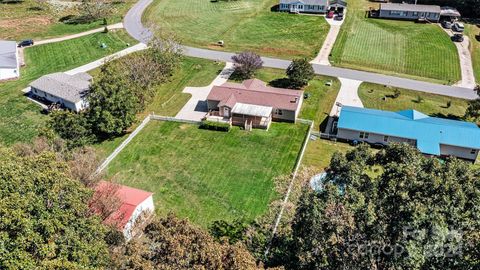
(132, 203)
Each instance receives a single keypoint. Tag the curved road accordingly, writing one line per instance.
(133, 25)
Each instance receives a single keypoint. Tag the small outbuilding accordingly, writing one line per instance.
(9, 62)
(70, 91)
(133, 204)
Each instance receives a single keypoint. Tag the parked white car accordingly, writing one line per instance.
(458, 27)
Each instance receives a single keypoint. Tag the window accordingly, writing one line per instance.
(278, 112)
(473, 151)
(415, 13)
(385, 138)
(398, 13)
(300, 6)
(364, 135)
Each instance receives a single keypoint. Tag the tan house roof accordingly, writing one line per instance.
(256, 92)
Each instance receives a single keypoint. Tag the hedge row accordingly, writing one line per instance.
(215, 125)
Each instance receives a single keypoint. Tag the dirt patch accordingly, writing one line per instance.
(14, 27)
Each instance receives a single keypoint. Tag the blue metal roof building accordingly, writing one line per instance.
(428, 132)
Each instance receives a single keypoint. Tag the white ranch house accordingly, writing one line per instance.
(307, 6)
(9, 64)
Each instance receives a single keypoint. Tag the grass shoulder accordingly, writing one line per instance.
(380, 97)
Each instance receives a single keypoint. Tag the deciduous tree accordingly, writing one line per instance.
(393, 210)
(246, 63)
(300, 72)
(44, 219)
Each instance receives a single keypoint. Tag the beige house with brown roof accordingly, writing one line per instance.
(253, 104)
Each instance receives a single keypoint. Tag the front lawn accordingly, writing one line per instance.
(39, 20)
(420, 51)
(372, 96)
(209, 175)
(242, 25)
(20, 118)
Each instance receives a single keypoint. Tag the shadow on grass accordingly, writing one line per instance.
(448, 116)
(323, 126)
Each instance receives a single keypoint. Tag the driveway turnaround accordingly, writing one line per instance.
(347, 96)
(322, 57)
(135, 28)
(196, 108)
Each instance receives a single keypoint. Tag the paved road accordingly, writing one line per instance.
(135, 28)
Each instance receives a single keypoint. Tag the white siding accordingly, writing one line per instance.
(76, 107)
(351, 135)
(461, 152)
(9, 73)
(145, 206)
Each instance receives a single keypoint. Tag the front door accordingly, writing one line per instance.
(226, 112)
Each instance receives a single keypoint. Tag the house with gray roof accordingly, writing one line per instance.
(304, 6)
(9, 64)
(69, 91)
(405, 11)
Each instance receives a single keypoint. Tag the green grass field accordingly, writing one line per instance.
(317, 106)
(242, 25)
(20, 118)
(38, 20)
(209, 175)
(473, 32)
(435, 105)
(420, 51)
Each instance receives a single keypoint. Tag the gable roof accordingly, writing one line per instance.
(68, 87)
(410, 7)
(255, 92)
(305, 2)
(129, 198)
(8, 54)
(429, 132)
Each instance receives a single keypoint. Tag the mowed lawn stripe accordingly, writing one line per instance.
(208, 175)
(395, 47)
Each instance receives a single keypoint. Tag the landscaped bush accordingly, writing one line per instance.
(220, 126)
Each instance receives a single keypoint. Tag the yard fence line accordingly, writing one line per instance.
(173, 119)
(290, 186)
(122, 145)
(135, 132)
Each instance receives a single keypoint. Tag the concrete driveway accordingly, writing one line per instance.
(196, 108)
(468, 77)
(347, 96)
(327, 46)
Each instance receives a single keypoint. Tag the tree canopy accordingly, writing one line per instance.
(44, 219)
(393, 210)
(300, 72)
(172, 243)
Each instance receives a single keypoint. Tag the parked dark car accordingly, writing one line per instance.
(25, 43)
(447, 24)
(339, 17)
(457, 38)
(330, 14)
